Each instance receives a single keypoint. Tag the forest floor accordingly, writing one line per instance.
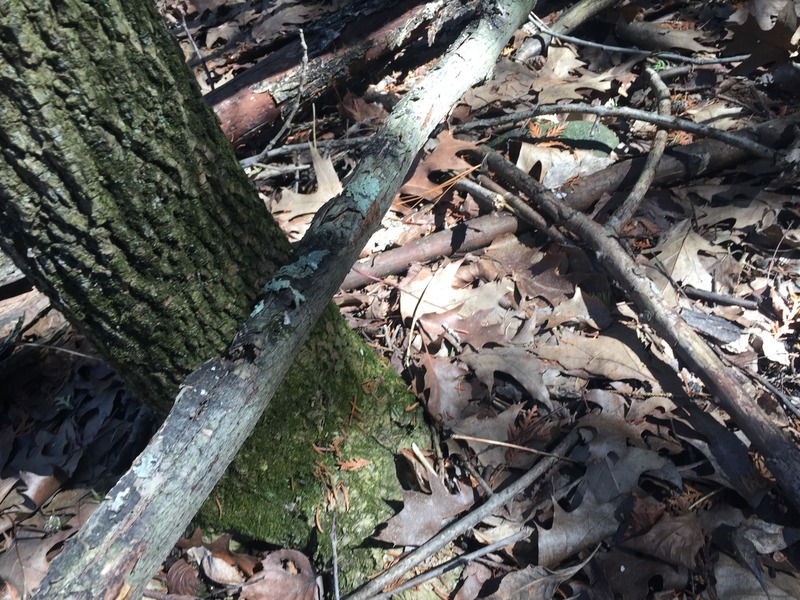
(511, 332)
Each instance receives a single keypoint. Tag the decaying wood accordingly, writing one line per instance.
(125, 540)
(781, 455)
(258, 96)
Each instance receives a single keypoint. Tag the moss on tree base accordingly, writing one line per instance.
(339, 397)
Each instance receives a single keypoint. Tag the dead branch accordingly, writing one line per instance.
(465, 237)
(122, 544)
(577, 15)
(781, 455)
(301, 88)
(734, 139)
(559, 33)
(467, 522)
(634, 199)
(680, 163)
(258, 96)
(451, 564)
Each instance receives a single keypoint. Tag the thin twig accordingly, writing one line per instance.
(537, 23)
(514, 203)
(301, 87)
(415, 316)
(570, 20)
(465, 523)
(452, 564)
(693, 292)
(59, 349)
(508, 201)
(487, 199)
(201, 58)
(488, 492)
(736, 140)
(648, 174)
(790, 405)
(421, 458)
(270, 170)
(789, 402)
(470, 438)
(335, 558)
(320, 145)
(680, 71)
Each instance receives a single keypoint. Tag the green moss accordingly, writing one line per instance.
(337, 395)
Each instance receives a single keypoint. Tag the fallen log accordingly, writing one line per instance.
(258, 96)
(680, 163)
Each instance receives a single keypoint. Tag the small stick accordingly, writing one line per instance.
(537, 23)
(648, 174)
(470, 438)
(473, 472)
(335, 558)
(209, 79)
(786, 400)
(47, 348)
(464, 524)
(452, 564)
(570, 20)
(287, 123)
(291, 148)
(513, 204)
(693, 292)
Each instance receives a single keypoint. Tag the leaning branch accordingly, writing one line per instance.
(631, 204)
(781, 455)
(122, 544)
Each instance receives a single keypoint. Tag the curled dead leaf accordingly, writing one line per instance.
(286, 575)
(182, 579)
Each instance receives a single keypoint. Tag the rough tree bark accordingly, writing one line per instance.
(218, 405)
(119, 197)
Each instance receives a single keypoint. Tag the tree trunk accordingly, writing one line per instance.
(120, 198)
